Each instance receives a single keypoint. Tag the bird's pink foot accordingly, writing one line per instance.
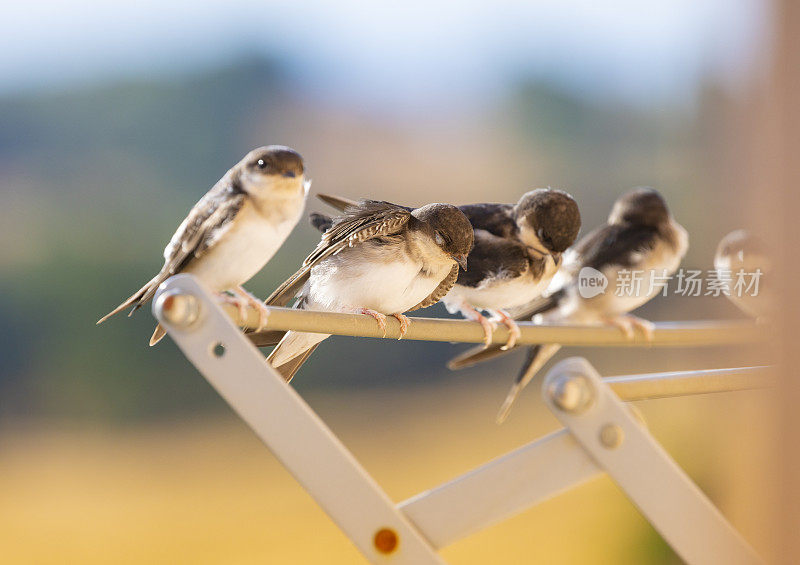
(513, 329)
(257, 304)
(647, 327)
(405, 321)
(488, 325)
(380, 318)
(238, 303)
(628, 323)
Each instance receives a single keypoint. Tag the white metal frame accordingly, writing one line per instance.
(601, 434)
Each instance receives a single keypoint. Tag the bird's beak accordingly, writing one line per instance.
(290, 174)
(461, 260)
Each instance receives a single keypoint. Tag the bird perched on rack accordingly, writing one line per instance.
(376, 259)
(516, 253)
(741, 260)
(231, 233)
(640, 241)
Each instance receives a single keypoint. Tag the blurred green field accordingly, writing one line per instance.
(207, 491)
(97, 178)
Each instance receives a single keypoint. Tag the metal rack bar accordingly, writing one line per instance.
(667, 334)
(683, 383)
(601, 435)
(621, 445)
(548, 466)
(287, 425)
(500, 488)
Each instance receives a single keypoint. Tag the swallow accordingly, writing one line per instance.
(740, 258)
(641, 240)
(377, 259)
(234, 229)
(517, 251)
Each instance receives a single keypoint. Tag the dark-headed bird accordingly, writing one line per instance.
(516, 253)
(376, 259)
(597, 283)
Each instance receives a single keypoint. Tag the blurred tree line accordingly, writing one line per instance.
(95, 180)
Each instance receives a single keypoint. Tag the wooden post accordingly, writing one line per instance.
(778, 197)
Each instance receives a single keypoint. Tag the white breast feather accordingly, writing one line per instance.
(374, 277)
(502, 293)
(243, 250)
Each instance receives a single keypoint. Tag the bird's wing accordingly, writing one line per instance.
(494, 257)
(608, 245)
(320, 222)
(440, 291)
(497, 219)
(341, 203)
(539, 305)
(611, 245)
(370, 219)
(615, 245)
(205, 225)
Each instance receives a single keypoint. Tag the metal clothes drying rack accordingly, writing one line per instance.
(601, 433)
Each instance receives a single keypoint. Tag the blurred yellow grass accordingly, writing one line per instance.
(208, 492)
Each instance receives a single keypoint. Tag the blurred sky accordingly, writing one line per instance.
(398, 60)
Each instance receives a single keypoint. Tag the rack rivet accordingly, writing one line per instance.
(385, 540)
(571, 393)
(611, 436)
(178, 309)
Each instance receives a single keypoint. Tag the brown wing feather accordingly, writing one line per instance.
(368, 220)
(440, 291)
(339, 202)
(207, 221)
(289, 288)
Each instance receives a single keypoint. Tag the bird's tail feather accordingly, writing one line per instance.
(339, 202)
(291, 347)
(266, 338)
(158, 334)
(537, 356)
(288, 369)
(476, 355)
(542, 305)
(140, 297)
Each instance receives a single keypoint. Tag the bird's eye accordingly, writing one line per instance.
(439, 239)
(261, 164)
